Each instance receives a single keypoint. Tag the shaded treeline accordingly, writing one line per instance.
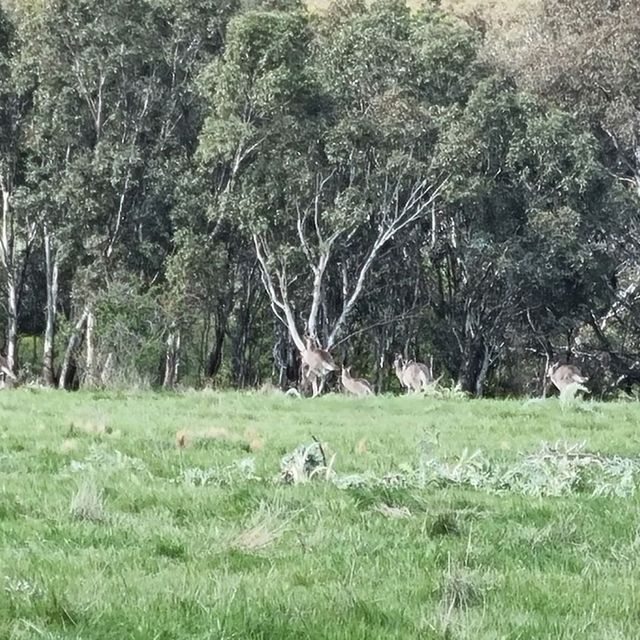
(189, 187)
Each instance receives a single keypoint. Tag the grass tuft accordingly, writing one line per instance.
(445, 524)
(459, 589)
(170, 548)
(392, 512)
(88, 504)
(266, 527)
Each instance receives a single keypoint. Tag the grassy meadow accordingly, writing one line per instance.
(162, 516)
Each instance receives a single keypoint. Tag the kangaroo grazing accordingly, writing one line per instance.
(317, 363)
(355, 386)
(564, 375)
(413, 376)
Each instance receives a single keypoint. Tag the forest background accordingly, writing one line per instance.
(190, 186)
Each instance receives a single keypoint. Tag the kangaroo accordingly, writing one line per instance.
(413, 376)
(356, 386)
(563, 375)
(317, 363)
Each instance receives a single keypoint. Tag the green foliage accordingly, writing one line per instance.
(132, 327)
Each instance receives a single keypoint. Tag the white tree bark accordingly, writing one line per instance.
(172, 360)
(277, 292)
(90, 373)
(106, 375)
(394, 216)
(8, 262)
(52, 269)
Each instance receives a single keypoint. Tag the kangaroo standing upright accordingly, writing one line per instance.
(317, 363)
(413, 376)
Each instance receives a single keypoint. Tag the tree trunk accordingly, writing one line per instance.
(7, 258)
(72, 346)
(172, 360)
(482, 374)
(52, 269)
(12, 322)
(279, 353)
(215, 355)
(470, 367)
(106, 375)
(382, 345)
(90, 374)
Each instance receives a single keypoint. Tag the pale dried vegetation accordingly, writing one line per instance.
(88, 504)
(186, 438)
(265, 527)
(69, 445)
(96, 426)
(389, 511)
(361, 446)
(554, 470)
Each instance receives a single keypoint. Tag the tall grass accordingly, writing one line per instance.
(111, 528)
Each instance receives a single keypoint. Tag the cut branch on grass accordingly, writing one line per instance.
(554, 470)
(305, 463)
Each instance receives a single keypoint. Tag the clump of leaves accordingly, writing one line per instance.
(459, 589)
(169, 548)
(239, 470)
(561, 469)
(442, 392)
(445, 524)
(18, 587)
(553, 470)
(108, 461)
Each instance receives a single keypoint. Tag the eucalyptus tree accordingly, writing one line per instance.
(582, 57)
(17, 231)
(521, 240)
(323, 149)
(115, 121)
(581, 54)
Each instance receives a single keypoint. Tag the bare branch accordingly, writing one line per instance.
(410, 212)
(278, 303)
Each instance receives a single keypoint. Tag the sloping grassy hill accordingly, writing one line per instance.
(110, 529)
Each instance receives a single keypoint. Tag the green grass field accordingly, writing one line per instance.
(111, 530)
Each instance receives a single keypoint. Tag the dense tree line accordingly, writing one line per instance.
(190, 187)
